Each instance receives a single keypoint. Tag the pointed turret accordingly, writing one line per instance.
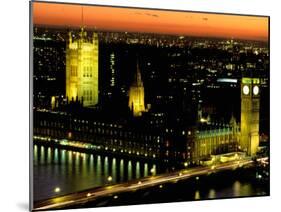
(136, 94)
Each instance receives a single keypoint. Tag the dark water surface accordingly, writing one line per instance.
(72, 171)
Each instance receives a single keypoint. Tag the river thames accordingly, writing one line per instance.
(59, 171)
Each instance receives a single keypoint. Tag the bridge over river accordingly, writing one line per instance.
(140, 182)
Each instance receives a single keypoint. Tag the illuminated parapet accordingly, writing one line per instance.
(136, 95)
(82, 69)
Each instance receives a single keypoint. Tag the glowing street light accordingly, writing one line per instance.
(57, 189)
(152, 171)
(109, 179)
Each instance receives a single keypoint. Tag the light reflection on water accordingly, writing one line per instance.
(212, 194)
(73, 171)
(197, 195)
(233, 189)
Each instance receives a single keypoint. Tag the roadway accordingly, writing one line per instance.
(75, 199)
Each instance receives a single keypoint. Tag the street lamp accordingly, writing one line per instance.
(109, 178)
(152, 171)
(57, 190)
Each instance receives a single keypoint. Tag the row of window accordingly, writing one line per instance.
(210, 146)
(103, 131)
(87, 71)
(116, 143)
(87, 95)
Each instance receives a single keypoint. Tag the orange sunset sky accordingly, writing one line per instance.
(151, 21)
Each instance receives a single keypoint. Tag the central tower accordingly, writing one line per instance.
(250, 113)
(136, 95)
(82, 69)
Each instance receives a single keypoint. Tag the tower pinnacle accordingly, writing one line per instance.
(136, 94)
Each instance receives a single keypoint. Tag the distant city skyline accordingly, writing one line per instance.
(151, 21)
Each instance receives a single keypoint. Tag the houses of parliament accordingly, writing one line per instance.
(139, 136)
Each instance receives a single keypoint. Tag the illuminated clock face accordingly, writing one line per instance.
(256, 90)
(246, 90)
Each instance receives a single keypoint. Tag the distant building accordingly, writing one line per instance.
(96, 134)
(136, 95)
(48, 70)
(135, 138)
(112, 70)
(214, 141)
(82, 57)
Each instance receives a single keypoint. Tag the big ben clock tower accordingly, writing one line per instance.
(250, 115)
